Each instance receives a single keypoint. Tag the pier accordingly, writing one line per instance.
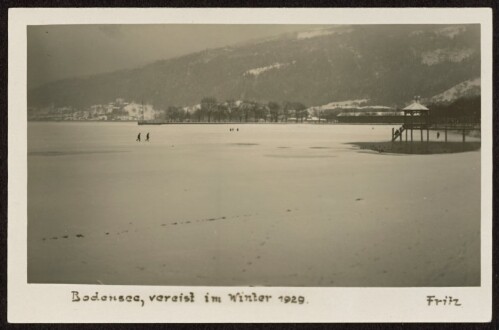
(445, 128)
(417, 118)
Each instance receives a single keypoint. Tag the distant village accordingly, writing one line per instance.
(210, 110)
(119, 110)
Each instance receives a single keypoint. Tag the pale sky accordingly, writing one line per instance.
(62, 51)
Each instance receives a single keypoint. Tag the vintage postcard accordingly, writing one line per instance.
(250, 165)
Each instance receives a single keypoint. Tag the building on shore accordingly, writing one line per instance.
(376, 115)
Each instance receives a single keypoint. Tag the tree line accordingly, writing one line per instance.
(212, 111)
(462, 110)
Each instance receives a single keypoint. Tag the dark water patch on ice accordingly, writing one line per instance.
(243, 144)
(71, 153)
(301, 156)
(188, 222)
(417, 148)
(282, 147)
(320, 148)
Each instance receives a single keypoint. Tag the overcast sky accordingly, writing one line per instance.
(57, 52)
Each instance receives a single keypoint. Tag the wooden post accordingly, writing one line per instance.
(400, 135)
(405, 124)
(421, 124)
(412, 124)
(428, 126)
(446, 134)
(464, 135)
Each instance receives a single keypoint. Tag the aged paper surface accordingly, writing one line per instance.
(278, 238)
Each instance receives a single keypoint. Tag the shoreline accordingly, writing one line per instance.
(212, 123)
(418, 148)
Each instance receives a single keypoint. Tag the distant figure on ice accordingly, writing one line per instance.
(438, 135)
(138, 138)
(238, 129)
(147, 137)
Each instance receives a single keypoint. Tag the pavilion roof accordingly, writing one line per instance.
(416, 106)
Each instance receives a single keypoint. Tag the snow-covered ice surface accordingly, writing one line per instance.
(270, 205)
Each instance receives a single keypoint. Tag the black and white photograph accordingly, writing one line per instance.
(255, 155)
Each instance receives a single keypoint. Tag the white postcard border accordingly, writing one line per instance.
(34, 303)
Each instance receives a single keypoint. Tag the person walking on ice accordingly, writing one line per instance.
(147, 137)
(138, 138)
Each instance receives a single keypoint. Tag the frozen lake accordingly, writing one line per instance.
(270, 205)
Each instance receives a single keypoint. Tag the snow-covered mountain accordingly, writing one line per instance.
(466, 88)
(386, 65)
